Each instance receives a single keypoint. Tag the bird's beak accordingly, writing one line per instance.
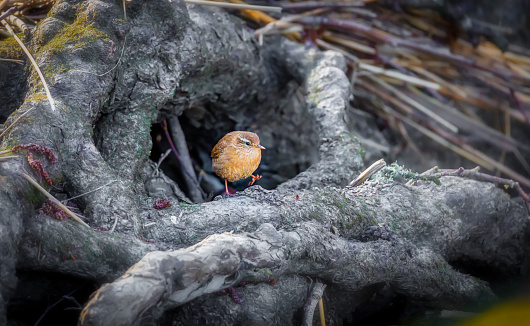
(260, 147)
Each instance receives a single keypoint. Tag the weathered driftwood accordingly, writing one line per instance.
(353, 239)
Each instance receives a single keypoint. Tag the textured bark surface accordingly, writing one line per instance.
(386, 236)
(380, 233)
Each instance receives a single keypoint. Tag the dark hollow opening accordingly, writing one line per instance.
(43, 298)
(287, 131)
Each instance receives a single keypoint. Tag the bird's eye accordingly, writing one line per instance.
(247, 143)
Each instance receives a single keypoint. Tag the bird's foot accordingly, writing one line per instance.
(226, 190)
(254, 179)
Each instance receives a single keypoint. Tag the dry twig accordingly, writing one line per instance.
(53, 199)
(33, 62)
(476, 175)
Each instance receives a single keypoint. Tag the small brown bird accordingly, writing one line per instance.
(236, 156)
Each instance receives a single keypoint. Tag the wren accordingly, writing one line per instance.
(236, 156)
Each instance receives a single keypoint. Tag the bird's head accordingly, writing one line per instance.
(248, 141)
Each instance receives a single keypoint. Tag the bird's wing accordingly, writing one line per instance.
(218, 149)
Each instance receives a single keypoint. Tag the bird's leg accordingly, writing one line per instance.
(254, 179)
(226, 189)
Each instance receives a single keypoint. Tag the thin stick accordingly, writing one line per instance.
(164, 127)
(461, 120)
(179, 140)
(5, 158)
(408, 140)
(284, 26)
(468, 152)
(11, 125)
(400, 76)
(321, 311)
(91, 191)
(415, 104)
(111, 69)
(3, 4)
(67, 296)
(53, 199)
(349, 43)
(385, 96)
(20, 62)
(519, 105)
(440, 140)
(160, 160)
(115, 223)
(262, 19)
(479, 176)
(378, 165)
(507, 129)
(308, 5)
(329, 46)
(33, 62)
(124, 11)
(234, 5)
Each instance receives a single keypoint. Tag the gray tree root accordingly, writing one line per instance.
(352, 238)
(404, 236)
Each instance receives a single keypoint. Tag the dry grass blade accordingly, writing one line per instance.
(307, 5)
(321, 312)
(468, 152)
(440, 140)
(14, 122)
(260, 18)
(366, 174)
(33, 62)
(399, 76)
(5, 158)
(329, 46)
(507, 132)
(234, 5)
(434, 77)
(19, 23)
(470, 125)
(93, 190)
(47, 194)
(3, 4)
(385, 96)
(124, 11)
(409, 141)
(426, 27)
(392, 54)
(402, 96)
(285, 25)
(356, 46)
(20, 62)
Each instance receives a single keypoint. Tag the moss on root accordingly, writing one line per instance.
(79, 34)
(9, 49)
(37, 97)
